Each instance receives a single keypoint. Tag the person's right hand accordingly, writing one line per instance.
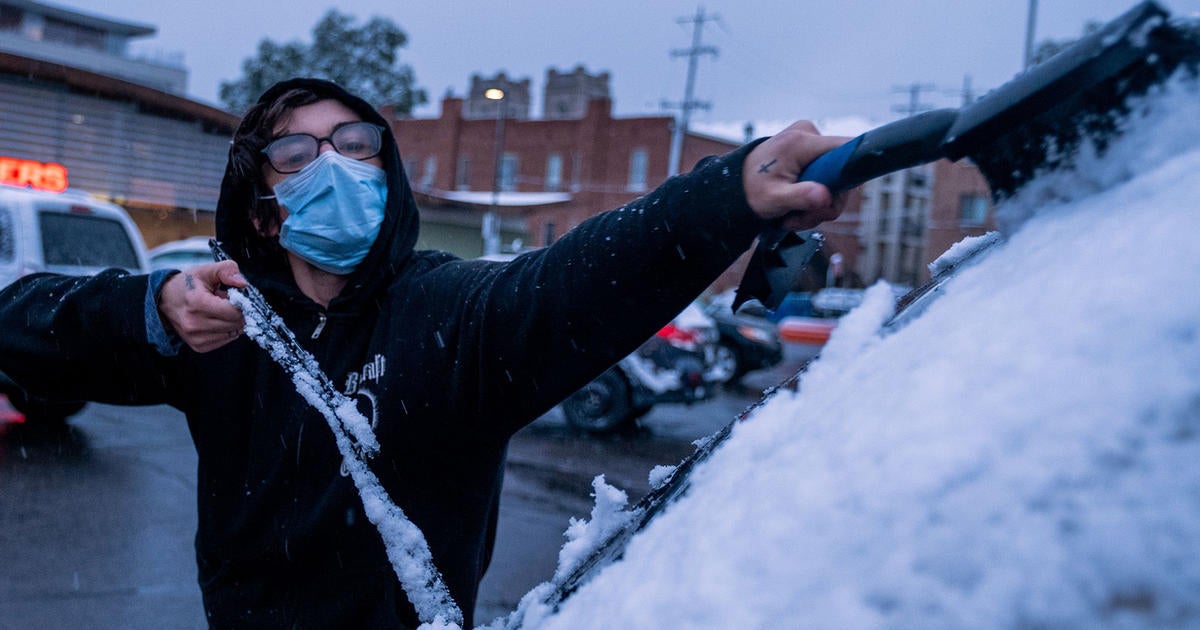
(195, 305)
(771, 171)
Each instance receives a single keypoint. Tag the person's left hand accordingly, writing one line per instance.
(769, 178)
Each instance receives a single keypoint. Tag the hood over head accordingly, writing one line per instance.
(262, 259)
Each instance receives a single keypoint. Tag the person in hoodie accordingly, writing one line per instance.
(447, 357)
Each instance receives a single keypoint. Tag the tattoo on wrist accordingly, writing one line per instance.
(187, 281)
(766, 168)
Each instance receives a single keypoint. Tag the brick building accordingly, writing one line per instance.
(549, 174)
(961, 206)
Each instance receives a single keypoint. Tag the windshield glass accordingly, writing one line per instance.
(85, 241)
(8, 246)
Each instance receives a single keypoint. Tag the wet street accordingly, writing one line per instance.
(97, 518)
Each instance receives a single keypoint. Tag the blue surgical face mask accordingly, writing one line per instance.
(335, 209)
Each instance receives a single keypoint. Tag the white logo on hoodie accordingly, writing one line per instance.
(371, 372)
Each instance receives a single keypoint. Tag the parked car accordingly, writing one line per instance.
(820, 316)
(674, 366)
(747, 340)
(67, 232)
(794, 304)
(835, 301)
(813, 331)
(181, 254)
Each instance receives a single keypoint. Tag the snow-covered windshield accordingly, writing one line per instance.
(1026, 452)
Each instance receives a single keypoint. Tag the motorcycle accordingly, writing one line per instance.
(676, 365)
(746, 342)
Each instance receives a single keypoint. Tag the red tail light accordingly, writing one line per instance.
(674, 334)
(8, 414)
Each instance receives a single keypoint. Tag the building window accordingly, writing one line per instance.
(508, 172)
(972, 210)
(554, 172)
(10, 17)
(576, 171)
(73, 34)
(429, 173)
(637, 170)
(548, 234)
(462, 176)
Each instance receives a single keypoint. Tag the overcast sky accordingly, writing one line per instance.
(778, 60)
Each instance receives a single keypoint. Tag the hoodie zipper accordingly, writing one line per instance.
(321, 319)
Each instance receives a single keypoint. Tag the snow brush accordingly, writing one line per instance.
(1033, 124)
(406, 546)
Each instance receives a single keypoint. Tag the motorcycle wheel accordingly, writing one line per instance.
(601, 406)
(727, 358)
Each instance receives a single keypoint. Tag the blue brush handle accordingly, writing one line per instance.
(829, 168)
(899, 145)
(778, 259)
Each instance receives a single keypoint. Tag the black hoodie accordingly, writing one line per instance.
(448, 357)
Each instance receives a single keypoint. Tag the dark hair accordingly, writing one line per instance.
(246, 158)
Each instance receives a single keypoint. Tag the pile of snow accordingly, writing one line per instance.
(1025, 453)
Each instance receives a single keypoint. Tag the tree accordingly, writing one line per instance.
(363, 60)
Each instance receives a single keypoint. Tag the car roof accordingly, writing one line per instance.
(193, 243)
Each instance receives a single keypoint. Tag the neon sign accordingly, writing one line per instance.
(28, 173)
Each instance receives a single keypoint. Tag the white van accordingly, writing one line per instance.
(70, 233)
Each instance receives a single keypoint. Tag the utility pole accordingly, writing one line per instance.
(689, 103)
(905, 215)
(915, 106)
(1030, 28)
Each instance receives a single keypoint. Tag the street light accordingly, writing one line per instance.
(491, 220)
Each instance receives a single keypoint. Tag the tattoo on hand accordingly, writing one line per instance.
(187, 281)
(766, 168)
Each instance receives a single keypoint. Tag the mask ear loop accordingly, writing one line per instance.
(259, 198)
(258, 192)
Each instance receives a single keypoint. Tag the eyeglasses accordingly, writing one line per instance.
(290, 153)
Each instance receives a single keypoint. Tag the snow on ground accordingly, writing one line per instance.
(1026, 453)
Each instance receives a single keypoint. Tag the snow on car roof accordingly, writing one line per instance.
(1025, 452)
(192, 243)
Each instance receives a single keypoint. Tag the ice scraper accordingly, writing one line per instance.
(1031, 124)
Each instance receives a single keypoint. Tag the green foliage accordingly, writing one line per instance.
(364, 60)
